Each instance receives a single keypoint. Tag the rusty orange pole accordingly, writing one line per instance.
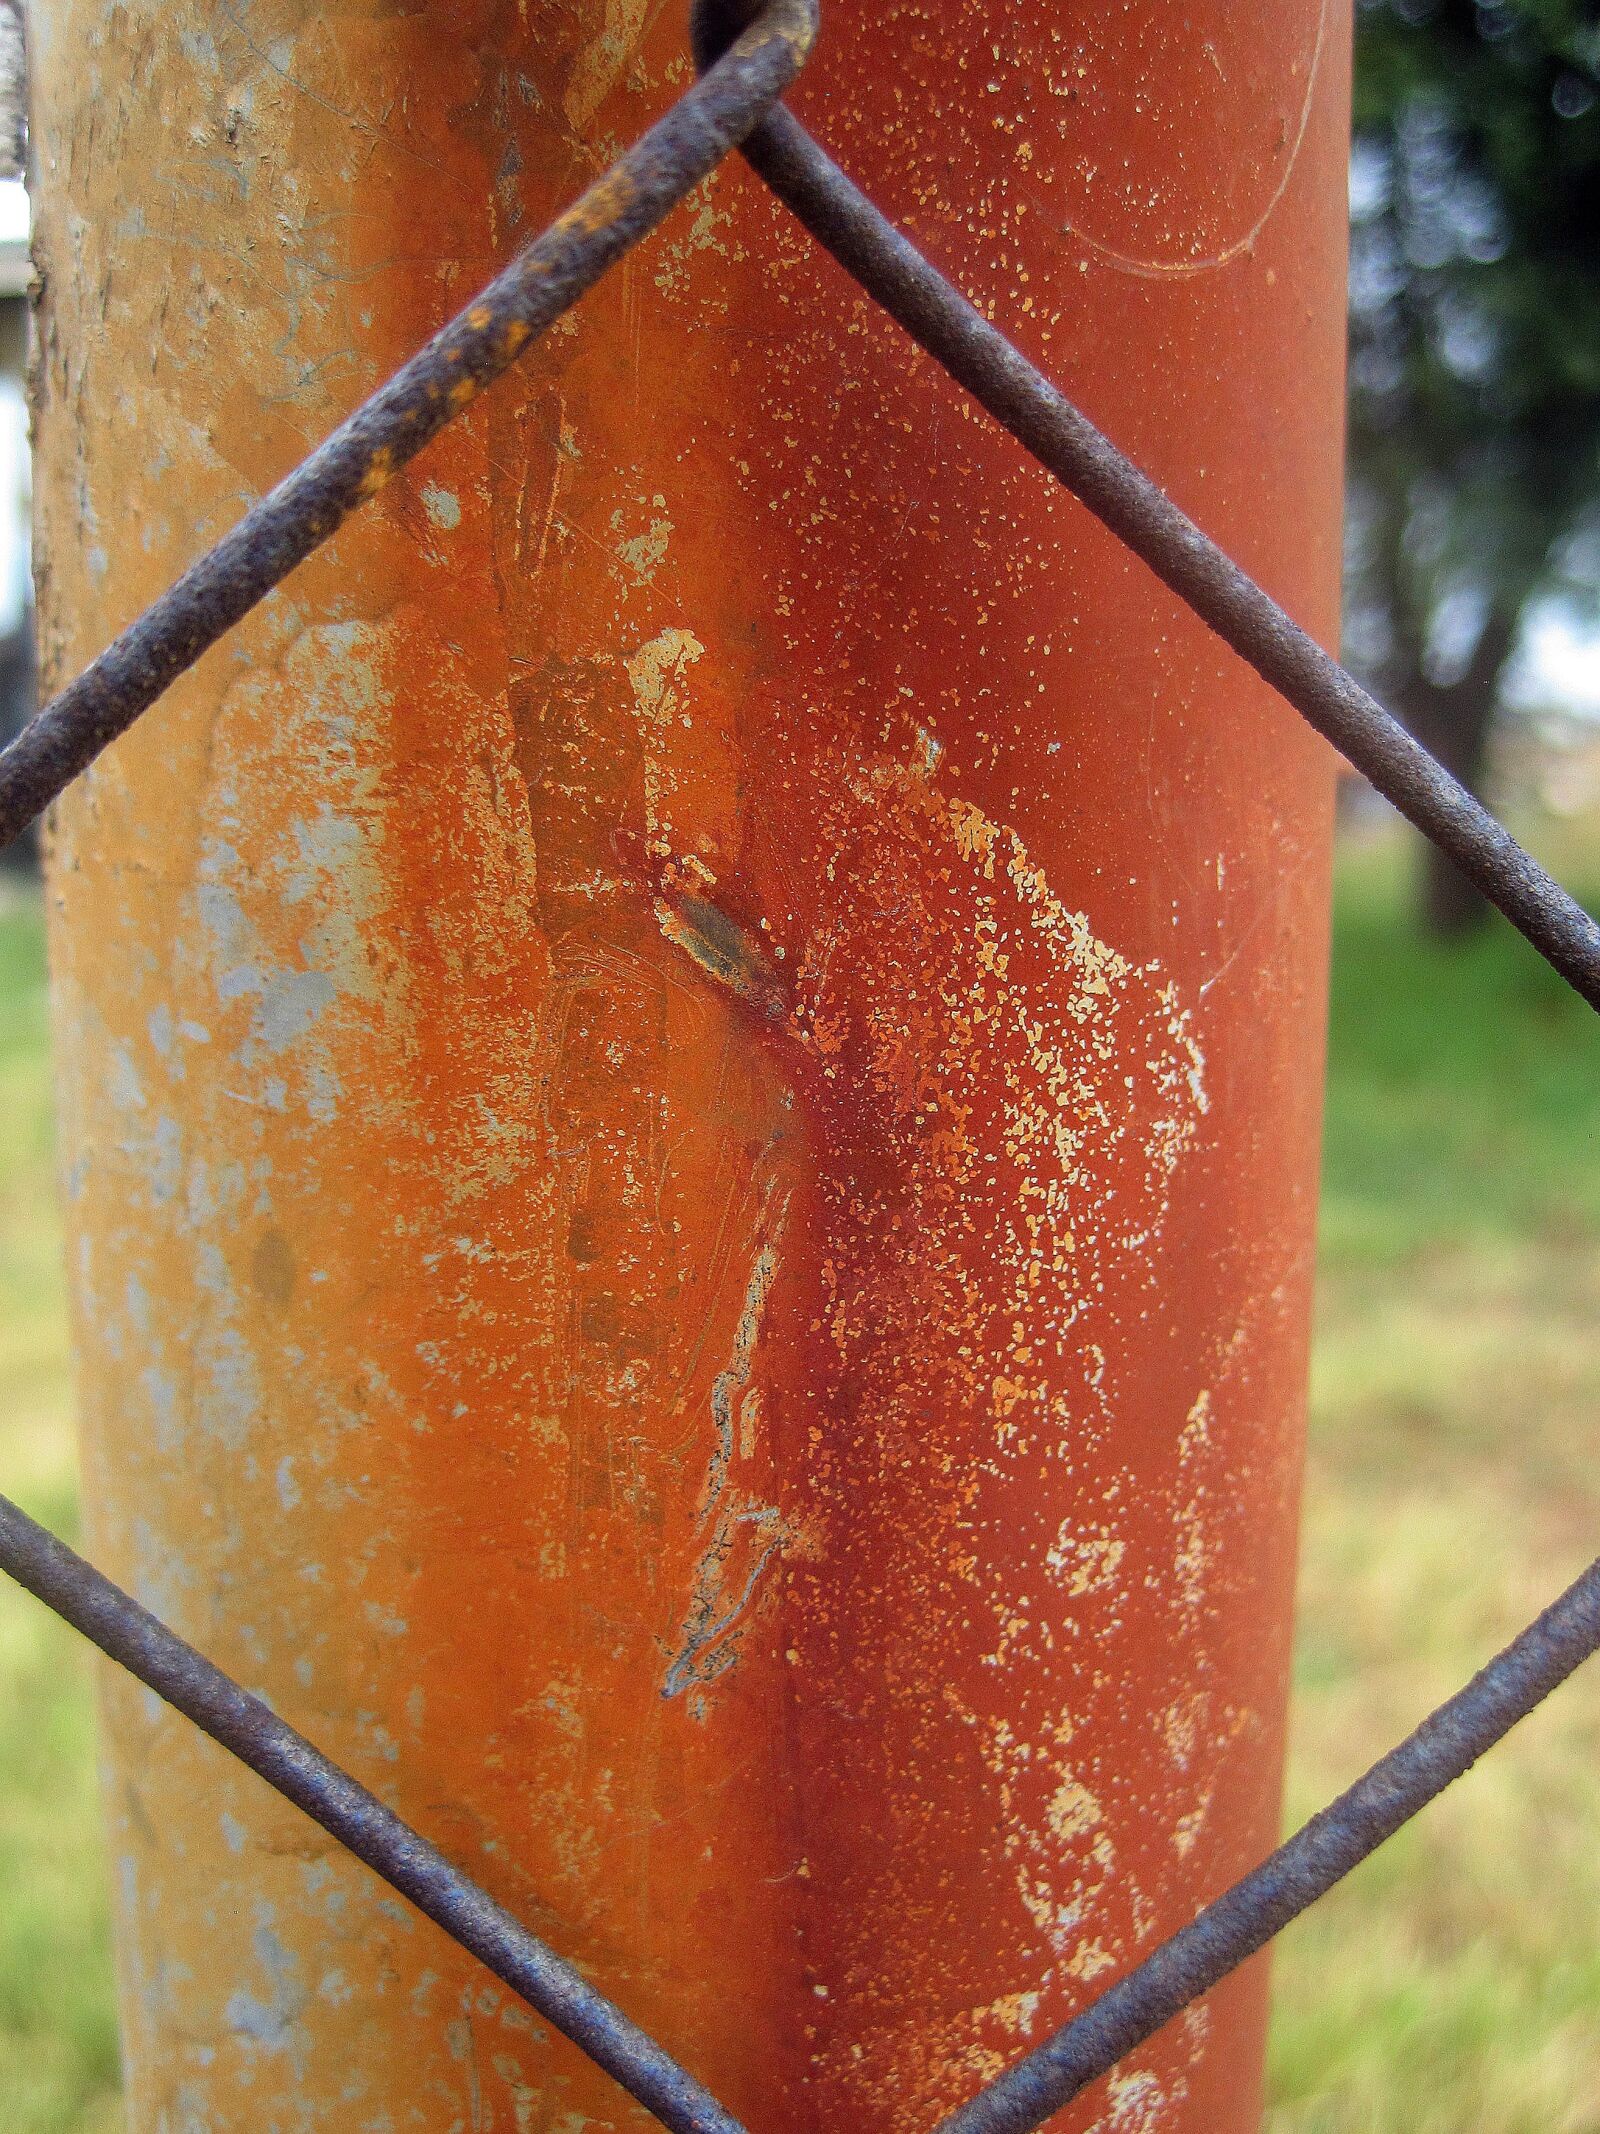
(690, 1069)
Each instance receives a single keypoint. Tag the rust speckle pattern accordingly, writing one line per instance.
(689, 1069)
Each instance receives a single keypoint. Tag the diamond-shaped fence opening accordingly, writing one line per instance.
(735, 103)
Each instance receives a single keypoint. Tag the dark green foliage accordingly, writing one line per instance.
(1475, 346)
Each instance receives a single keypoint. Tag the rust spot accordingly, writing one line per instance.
(272, 1267)
(379, 473)
(724, 951)
(606, 201)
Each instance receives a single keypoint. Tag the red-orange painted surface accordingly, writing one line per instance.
(689, 1072)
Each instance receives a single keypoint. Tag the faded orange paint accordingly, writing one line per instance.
(689, 1070)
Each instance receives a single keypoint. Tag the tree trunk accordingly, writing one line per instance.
(1456, 720)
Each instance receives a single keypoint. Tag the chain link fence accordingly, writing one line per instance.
(749, 56)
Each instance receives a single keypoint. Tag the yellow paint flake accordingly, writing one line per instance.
(1073, 1811)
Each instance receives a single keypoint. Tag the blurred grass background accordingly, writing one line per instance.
(1451, 1985)
(58, 2049)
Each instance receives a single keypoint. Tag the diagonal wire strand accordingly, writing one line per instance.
(252, 1731)
(978, 356)
(352, 464)
(1019, 397)
(624, 204)
(1304, 1868)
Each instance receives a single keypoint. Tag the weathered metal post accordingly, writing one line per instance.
(689, 1071)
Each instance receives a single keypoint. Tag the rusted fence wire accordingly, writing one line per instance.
(750, 54)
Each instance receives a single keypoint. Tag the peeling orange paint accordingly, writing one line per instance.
(689, 1069)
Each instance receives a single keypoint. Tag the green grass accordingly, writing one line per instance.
(1463, 1100)
(1453, 1985)
(58, 2051)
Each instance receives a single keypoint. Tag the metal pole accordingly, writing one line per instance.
(689, 1070)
